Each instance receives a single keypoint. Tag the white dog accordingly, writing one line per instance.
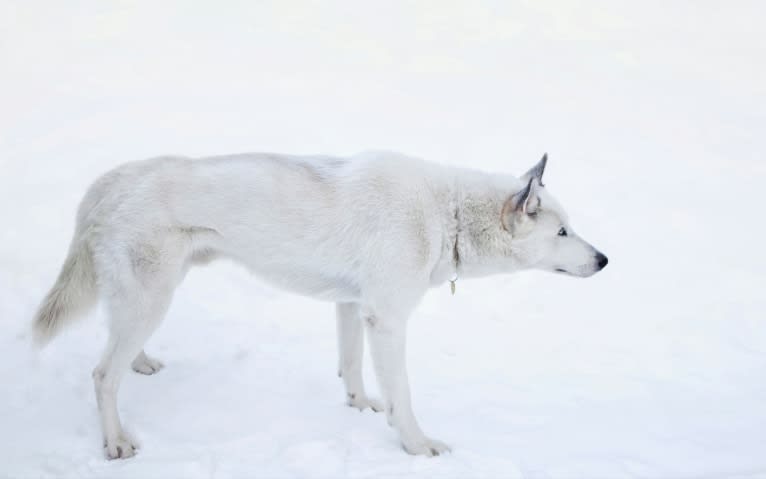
(371, 233)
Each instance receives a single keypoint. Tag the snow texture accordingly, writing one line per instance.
(653, 115)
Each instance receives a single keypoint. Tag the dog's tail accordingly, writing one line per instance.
(73, 294)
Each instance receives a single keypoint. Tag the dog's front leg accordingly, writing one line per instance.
(387, 346)
(350, 347)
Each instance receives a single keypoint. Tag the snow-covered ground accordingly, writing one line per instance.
(653, 114)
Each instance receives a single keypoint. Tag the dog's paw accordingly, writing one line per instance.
(122, 447)
(362, 402)
(426, 447)
(146, 365)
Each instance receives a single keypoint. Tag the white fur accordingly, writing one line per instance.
(371, 233)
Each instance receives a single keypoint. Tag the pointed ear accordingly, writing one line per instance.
(536, 171)
(526, 201)
(521, 204)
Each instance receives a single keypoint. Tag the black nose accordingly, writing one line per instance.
(601, 260)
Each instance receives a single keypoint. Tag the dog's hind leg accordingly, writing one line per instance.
(350, 348)
(136, 307)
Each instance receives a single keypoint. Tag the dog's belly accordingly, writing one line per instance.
(309, 283)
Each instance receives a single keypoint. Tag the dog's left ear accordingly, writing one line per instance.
(536, 171)
(521, 205)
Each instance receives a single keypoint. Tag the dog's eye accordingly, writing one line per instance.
(563, 231)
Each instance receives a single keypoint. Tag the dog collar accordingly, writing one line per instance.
(455, 262)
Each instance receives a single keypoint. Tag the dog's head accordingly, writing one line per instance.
(540, 232)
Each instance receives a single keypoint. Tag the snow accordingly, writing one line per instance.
(653, 115)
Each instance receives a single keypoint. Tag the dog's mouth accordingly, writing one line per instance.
(576, 274)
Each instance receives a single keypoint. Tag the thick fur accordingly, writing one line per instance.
(73, 293)
(372, 233)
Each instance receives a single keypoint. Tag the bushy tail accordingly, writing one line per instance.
(72, 295)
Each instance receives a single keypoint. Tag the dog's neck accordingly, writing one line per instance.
(479, 244)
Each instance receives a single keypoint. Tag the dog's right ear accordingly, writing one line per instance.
(521, 205)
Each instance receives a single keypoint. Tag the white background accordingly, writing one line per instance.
(653, 114)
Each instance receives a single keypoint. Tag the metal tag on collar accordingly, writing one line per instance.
(452, 284)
